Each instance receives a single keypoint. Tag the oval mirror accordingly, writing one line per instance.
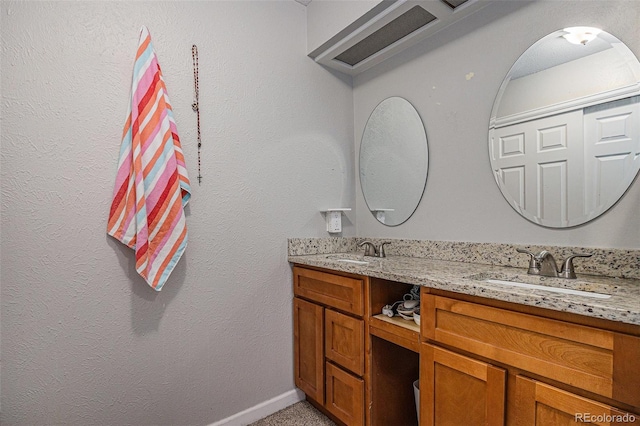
(393, 161)
(564, 134)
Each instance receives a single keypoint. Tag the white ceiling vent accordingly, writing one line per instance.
(395, 26)
(410, 21)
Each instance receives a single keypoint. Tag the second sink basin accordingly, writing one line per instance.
(549, 288)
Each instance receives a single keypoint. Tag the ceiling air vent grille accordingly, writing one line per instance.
(454, 3)
(400, 27)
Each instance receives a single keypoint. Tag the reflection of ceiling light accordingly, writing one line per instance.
(580, 35)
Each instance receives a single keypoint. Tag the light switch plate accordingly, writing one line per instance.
(334, 219)
(334, 222)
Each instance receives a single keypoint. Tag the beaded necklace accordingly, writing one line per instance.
(196, 103)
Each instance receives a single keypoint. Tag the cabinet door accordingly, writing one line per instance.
(345, 395)
(344, 341)
(458, 390)
(308, 356)
(541, 405)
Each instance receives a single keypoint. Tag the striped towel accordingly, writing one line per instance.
(152, 185)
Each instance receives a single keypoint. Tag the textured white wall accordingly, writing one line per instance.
(452, 80)
(84, 339)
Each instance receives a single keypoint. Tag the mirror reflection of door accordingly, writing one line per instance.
(612, 150)
(532, 161)
(564, 136)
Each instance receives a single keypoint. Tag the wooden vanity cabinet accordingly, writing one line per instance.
(479, 361)
(525, 369)
(329, 342)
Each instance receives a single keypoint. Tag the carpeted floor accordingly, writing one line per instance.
(299, 414)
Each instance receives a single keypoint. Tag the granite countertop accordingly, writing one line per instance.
(468, 278)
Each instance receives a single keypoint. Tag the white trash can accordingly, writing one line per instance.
(416, 394)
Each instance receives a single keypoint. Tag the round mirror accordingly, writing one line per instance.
(564, 135)
(393, 161)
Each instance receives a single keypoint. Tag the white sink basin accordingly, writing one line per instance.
(548, 288)
(356, 259)
(357, 262)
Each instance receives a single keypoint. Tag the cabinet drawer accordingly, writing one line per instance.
(585, 357)
(345, 395)
(344, 341)
(337, 291)
(539, 404)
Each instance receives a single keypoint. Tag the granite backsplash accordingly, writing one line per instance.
(619, 263)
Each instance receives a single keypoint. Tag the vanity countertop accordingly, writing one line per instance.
(468, 278)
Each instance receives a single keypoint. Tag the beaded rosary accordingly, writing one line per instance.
(196, 103)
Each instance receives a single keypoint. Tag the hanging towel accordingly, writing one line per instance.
(152, 186)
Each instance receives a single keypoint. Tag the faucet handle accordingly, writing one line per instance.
(369, 248)
(521, 250)
(381, 252)
(534, 262)
(567, 270)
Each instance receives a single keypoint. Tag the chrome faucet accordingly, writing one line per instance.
(548, 266)
(371, 250)
(545, 265)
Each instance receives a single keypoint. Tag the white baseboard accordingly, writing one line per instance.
(263, 409)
